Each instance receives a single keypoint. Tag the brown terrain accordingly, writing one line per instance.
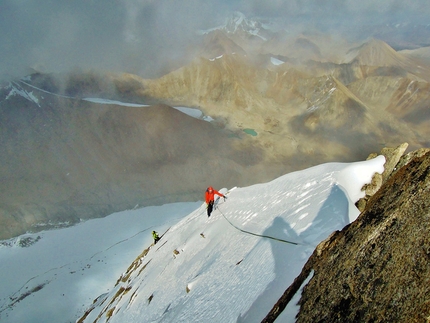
(64, 159)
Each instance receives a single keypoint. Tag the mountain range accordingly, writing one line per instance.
(277, 101)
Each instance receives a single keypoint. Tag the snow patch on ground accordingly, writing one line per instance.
(106, 101)
(276, 61)
(192, 112)
(18, 90)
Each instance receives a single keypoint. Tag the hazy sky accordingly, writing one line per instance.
(138, 35)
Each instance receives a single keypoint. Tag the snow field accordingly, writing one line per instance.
(219, 269)
(231, 267)
(75, 265)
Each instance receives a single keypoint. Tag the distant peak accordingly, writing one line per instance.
(237, 22)
(376, 52)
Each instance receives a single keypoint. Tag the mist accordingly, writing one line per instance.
(147, 37)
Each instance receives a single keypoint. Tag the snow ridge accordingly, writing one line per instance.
(217, 269)
(209, 269)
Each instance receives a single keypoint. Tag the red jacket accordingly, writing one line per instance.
(210, 194)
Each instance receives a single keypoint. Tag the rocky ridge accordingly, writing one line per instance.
(375, 269)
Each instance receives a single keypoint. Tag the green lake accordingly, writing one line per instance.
(251, 132)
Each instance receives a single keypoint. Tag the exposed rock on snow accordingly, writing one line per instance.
(376, 269)
(392, 157)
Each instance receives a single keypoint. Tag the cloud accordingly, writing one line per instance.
(139, 36)
(123, 35)
(56, 35)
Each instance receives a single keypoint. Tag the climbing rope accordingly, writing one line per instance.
(256, 234)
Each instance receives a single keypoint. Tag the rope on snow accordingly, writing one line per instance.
(256, 234)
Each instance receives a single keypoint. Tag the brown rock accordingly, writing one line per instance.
(378, 269)
(392, 157)
(408, 157)
(374, 185)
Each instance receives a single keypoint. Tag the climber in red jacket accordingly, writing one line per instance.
(210, 197)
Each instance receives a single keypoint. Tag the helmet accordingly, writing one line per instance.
(210, 189)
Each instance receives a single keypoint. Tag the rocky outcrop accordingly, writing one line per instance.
(392, 157)
(376, 269)
(394, 160)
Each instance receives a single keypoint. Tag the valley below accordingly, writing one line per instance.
(271, 103)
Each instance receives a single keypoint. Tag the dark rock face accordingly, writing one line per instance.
(377, 268)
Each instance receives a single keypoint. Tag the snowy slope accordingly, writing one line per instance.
(234, 266)
(57, 273)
